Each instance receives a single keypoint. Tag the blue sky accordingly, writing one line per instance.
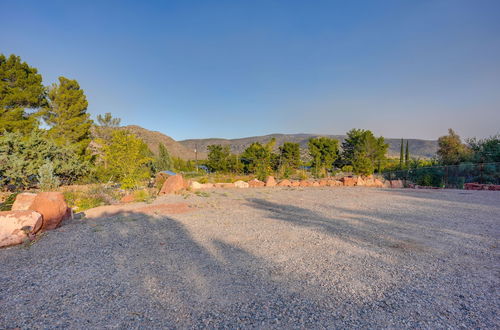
(195, 69)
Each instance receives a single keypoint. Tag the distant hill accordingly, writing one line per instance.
(153, 138)
(418, 148)
(185, 149)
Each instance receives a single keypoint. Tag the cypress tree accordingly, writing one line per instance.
(401, 155)
(163, 161)
(407, 155)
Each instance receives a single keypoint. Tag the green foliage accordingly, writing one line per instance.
(401, 156)
(218, 158)
(451, 150)
(257, 159)
(126, 160)
(143, 195)
(46, 177)
(407, 155)
(67, 115)
(289, 159)
(105, 126)
(324, 151)
(108, 121)
(163, 162)
(362, 164)
(485, 150)
(22, 156)
(347, 169)
(22, 95)
(9, 201)
(181, 165)
(84, 200)
(364, 145)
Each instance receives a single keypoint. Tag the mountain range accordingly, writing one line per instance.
(185, 149)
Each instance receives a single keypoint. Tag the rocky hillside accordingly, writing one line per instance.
(418, 148)
(153, 138)
(185, 149)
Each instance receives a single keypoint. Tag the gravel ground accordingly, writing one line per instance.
(266, 258)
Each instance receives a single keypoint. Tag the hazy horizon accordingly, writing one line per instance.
(227, 69)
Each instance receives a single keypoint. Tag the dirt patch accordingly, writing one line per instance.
(161, 209)
(153, 209)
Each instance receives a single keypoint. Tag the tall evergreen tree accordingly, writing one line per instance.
(22, 95)
(407, 155)
(163, 161)
(70, 123)
(401, 155)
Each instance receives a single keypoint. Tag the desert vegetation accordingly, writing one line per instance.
(47, 140)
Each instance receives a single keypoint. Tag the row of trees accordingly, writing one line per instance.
(46, 132)
(361, 153)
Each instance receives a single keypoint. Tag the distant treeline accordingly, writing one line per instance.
(47, 138)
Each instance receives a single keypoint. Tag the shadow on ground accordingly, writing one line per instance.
(134, 270)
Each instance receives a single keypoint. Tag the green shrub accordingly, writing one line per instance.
(7, 204)
(46, 178)
(143, 195)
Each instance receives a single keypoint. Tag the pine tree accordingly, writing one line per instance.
(70, 123)
(407, 155)
(108, 121)
(401, 155)
(163, 162)
(22, 95)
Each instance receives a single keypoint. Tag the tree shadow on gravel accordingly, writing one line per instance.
(137, 270)
(367, 232)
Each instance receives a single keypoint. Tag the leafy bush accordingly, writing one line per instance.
(21, 157)
(126, 160)
(46, 178)
(143, 195)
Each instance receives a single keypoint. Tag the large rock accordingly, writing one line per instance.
(195, 185)
(285, 183)
(256, 183)
(52, 207)
(305, 183)
(348, 181)
(335, 183)
(397, 184)
(172, 185)
(360, 181)
(128, 198)
(23, 202)
(241, 184)
(377, 183)
(323, 182)
(295, 183)
(18, 226)
(270, 182)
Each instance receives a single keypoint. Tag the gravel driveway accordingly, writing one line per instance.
(266, 258)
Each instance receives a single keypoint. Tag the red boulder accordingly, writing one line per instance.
(52, 207)
(172, 185)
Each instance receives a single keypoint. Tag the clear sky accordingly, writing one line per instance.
(195, 69)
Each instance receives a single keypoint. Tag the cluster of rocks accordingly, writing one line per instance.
(177, 183)
(30, 214)
(479, 186)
